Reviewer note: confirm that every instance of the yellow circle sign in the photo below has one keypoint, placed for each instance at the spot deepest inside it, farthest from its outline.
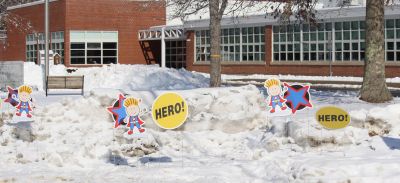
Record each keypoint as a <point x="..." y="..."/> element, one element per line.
<point x="333" y="117"/>
<point x="169" y="111"/>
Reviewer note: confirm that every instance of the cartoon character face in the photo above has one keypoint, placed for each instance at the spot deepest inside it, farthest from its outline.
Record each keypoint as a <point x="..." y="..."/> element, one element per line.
<point x="24" y="96"/>
<point x="274" y="90"/>
<point x="132" y="110"/>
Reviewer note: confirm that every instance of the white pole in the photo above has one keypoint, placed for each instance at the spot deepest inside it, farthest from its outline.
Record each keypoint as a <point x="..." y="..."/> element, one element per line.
<point x="163" y="62"/>
<point x="46" y="29"/>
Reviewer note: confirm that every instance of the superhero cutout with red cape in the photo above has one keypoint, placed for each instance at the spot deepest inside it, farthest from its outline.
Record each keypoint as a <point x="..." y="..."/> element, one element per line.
<point x="22" y="101"/>
<point x="126" y="111"/>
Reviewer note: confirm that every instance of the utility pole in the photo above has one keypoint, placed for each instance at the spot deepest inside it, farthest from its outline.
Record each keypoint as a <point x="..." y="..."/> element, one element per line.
<point x="46" y="42"/>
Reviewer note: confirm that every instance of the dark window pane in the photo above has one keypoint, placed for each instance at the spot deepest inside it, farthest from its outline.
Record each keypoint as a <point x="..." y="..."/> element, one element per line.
<point x="338" y="56"/>
<point x="290" y="56"/>
<point x="306" y="56"/>
<point x="276" y="56"/>
<point x="283" y="56"/>
<point x="338" y="25"/>
<point x="77" y="60"/>
<point x="390" y="45"/>
<point x="93" y="45"/>
<point x="313" y="56"/>
<point x="354" y="56"/>
<point x="346" y="46"/>
<point x="390" y="56"/>
<point x="110" y="53"/>
<point x="110" y="60"/>
<point x="77" y="45"/>
<point x="338" y="35"/>
<point x="338" y="46"/>
<point x="354" y="46"/>
<point x="346" y="56"/>
<point x="78" y="53"/>
<point x="93" y="60"/>
<point x="362" y="46"/>
<point x="362" y="56"/>
<point x="398" y="56"/>
<point x="354" y="35"/>
<point x="95" y="53"/>
<point x="297" y="56"/>
<point x="389" y="34"/>
<point x="110" y="45"/>
<point x="354" y="25"/>
<point x="389" y="23"/>
<point x="346" y="25"/>
<point x="321" y="56"/>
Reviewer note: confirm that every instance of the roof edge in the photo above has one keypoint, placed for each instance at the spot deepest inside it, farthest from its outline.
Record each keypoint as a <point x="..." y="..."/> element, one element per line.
<point x="28" y="4"/>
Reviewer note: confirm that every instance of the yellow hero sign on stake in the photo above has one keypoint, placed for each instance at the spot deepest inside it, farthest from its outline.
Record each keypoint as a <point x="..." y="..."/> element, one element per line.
<point x="333" y="117"/>
<point x="169" y="111"/>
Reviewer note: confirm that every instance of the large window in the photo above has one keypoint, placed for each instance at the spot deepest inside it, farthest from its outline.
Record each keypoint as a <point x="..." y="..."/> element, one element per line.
<point x="237" y="44"/>
<point x="337" y="41"/>
<point x="176" y="54"/>
<point x="35" y="43"/>
<point x="94" y="47"/>
<point x="392" y="44"/>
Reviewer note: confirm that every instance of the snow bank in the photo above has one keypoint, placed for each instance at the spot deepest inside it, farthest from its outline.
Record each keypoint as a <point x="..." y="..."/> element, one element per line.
<point x="125" y="77"/>
<point x="379" y="120"/>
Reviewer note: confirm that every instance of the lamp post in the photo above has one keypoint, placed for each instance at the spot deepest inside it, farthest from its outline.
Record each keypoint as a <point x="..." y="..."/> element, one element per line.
<point x="46" y="42"/>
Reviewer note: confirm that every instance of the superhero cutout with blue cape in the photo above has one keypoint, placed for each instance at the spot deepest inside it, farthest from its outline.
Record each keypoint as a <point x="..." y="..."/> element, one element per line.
<point x="296" y="97"/>
<point x="126" y="111"/>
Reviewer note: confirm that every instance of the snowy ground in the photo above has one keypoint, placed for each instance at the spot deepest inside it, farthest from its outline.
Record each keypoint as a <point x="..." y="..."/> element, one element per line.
<point x="227" y="138"/>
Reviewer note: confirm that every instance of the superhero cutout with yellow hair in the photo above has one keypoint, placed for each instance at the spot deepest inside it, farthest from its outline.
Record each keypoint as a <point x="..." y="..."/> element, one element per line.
<point x="132" y="118"/>
<point x="274" y="90"/>
<point x="24" y="96"/>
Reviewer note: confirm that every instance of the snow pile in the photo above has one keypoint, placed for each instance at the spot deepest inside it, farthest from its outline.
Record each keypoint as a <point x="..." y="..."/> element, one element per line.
<point x="379" y="120"/>
<point x="125" y="77"/>
<point x="79" y="133"/>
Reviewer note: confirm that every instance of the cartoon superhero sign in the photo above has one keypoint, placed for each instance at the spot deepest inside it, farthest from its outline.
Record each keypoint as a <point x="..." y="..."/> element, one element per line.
<point x="127" y="111"/>
<point x="294" y="97"/>
<point x="274" y="90"/>
<point x="21" y="99"/>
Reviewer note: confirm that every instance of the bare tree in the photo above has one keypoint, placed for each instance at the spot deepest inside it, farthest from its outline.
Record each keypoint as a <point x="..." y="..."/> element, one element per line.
<point x="300" y="9"/>
<point x="12" y="19"/>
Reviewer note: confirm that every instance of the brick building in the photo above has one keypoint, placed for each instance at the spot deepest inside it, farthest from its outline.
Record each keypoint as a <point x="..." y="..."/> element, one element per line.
<point x="83" y="32"/>
<point x="91" y="33"/>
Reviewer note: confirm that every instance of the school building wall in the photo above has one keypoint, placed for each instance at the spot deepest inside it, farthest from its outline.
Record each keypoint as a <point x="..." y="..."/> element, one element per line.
<point x="320" y="68"/>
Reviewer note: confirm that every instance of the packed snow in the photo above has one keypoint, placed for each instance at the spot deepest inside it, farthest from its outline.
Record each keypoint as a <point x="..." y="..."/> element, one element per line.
<point x="228" y="136"/>
<point x="124" y="77"/>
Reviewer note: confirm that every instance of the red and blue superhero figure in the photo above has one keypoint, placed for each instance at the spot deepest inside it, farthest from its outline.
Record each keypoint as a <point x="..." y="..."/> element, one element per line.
<point x="24" y="95"/>
<point x="134" y="121"/>
<point x="274" y="90"/>
<point x="133" y="111"/>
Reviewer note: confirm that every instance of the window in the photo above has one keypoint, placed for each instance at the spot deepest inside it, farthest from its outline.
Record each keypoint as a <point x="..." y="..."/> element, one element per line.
<point x="94" y="47"/>
<point x="176" y="54"/>
<point x="237" y="44"/>
<point x="392" y="41"/>
<point x="35" y="43"/>
<point x="349" y="36"/>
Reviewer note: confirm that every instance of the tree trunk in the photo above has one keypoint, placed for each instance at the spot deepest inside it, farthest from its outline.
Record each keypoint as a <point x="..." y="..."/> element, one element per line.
<point x="374" y="88"/>
<point x="215" y="33"/>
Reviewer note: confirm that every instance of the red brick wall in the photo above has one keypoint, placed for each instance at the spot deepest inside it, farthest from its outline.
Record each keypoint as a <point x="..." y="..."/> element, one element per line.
<point x="269" y="67"/>
<point x="30" y="20"/>
<point x="126" y="17"/>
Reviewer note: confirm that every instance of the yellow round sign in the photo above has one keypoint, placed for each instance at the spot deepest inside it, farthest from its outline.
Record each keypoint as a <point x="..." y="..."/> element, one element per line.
<point x="333" y="117"/>
<point x="169" y="111"/>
